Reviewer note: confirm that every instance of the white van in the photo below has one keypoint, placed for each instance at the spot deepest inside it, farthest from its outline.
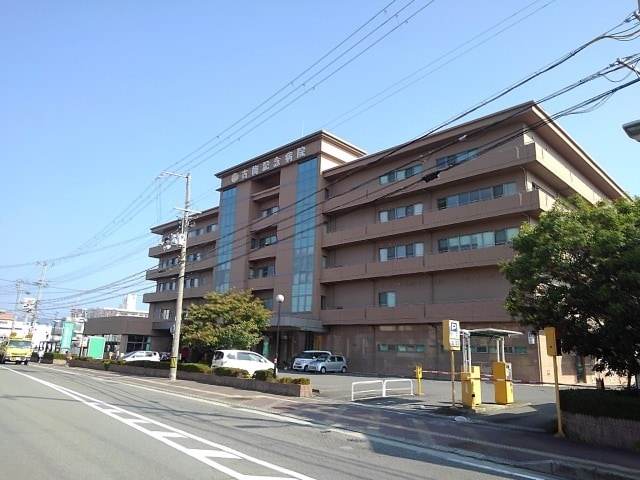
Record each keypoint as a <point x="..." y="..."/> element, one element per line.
<point x="305" y="358"/>
<point x="244" y="359"/>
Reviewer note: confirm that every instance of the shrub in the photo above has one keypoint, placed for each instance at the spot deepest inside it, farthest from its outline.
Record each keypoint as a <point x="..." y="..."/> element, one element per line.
<point x="264" y="376"/>
<point x="194" y="367"/>
<point x="302" y="381"/>
<point x="92" y="360"/>
<point x="146" y="364"/>
<point x="231" y="372"/>
<point x="622" y="404"/>
<point x="267" y="376"/>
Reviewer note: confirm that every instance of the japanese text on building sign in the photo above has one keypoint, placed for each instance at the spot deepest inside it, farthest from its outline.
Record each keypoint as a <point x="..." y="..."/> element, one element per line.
<point x="267" y="165"/>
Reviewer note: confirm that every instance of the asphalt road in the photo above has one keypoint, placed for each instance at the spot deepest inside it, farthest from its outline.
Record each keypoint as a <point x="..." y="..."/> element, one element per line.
<point x="331" y="433"/>
<point x="59" y="422"/>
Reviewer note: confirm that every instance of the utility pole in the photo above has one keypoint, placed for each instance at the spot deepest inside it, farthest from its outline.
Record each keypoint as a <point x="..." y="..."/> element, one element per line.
<point x="40" y="283"/>
<point x="19" y="287"/>
<point x="180" y="241"/>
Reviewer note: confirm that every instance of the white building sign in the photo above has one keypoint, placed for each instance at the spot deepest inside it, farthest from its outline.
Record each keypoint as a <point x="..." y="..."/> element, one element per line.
<point x="266" y="165"/>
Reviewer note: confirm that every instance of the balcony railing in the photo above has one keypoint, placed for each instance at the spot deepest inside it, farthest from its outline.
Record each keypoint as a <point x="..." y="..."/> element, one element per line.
<point x="532" y="202"/>
<point x="491" y="310"/>
<point x="479" y="257"/>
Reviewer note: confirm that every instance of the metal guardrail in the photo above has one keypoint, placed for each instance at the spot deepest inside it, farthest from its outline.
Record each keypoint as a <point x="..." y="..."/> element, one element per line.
<point x="381" y="388"/>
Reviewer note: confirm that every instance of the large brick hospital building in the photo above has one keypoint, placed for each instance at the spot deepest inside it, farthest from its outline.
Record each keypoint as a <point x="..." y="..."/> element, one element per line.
<point x="373" y="251"/>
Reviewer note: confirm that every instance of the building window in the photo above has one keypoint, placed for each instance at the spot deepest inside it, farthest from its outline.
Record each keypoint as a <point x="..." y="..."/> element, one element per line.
<point x="267" y="212"/>
<point x="480" y="195"/>
<point x="304" y="248"/>
<point x="264" y="241"/>
<point x="169" y="262"/>
<point x="400" y="212"/>
<point x="492" y="350"/>
<point x="477" y="240"/>
<point x="401" y="174"/>
<point x="456" y="158"/>
<point x="402" y="251"/>
<point x="212" y="228"/>
<point x="191" y="282"/>
<point x="196" y="232"/>
<point x="387" y="299"/>
<point x="385" y="347"/>
<point x="138" y="342"/>
<point x="268" y="303"/>
<point x="194" y="257"/>
<point x="262" y="272"/>
<point x="167" y="286"/>
<point x="225" y="243"/>
<point x="165" y="314"/>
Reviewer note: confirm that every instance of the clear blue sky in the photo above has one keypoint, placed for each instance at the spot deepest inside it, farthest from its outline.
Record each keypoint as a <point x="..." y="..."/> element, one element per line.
<point x="99" y="97"/>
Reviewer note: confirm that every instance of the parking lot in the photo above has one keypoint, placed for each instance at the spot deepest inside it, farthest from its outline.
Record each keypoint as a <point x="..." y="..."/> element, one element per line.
<point x="338" y="386"/>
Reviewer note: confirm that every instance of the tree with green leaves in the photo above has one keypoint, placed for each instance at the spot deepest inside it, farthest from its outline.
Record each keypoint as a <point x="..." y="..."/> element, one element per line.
<point x="230" y="320"/>
<point x="579" y="270"/>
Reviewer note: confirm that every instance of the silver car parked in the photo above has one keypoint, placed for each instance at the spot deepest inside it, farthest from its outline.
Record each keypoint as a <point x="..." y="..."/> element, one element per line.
<point x="328" y="363"/>
<point x="303" y="360"/>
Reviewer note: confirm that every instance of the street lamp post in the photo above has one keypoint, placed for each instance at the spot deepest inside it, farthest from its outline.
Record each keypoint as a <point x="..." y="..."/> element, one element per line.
<point x="279" y="299"/>
<point x="182" y="242"/>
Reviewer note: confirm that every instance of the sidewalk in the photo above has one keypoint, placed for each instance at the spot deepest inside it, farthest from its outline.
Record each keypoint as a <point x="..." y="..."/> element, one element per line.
<point x="533" y="408"/>
<point x="523" y="431"/>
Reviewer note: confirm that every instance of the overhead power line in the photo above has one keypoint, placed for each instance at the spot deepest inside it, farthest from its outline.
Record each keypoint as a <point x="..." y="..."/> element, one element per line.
<point x="629" y="34"/>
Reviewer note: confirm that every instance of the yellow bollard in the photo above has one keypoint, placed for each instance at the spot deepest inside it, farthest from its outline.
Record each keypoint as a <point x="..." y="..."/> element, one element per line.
<point x="419" y="378"/>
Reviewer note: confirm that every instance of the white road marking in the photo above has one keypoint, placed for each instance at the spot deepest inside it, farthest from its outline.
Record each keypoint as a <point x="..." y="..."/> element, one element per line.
<point x="167" y="434"/>
<point x="434" y="450"/>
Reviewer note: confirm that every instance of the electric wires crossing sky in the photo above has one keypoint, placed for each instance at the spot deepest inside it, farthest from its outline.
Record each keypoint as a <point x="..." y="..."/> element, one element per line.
<point x="94" y="254"/>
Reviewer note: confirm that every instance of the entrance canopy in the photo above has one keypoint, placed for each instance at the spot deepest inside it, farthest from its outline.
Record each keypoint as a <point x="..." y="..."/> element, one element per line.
<point x="491" y="332"/>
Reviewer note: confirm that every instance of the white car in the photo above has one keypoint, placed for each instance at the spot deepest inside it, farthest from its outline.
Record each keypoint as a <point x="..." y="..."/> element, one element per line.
<point x="305" y="358"/>
<point x="141" y="355"/>
<point x="244" y="359"/>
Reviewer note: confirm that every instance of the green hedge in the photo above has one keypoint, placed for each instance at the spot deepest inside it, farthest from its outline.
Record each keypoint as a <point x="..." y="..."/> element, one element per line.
<point x="48" y="356"/>
<point x="262" y="375"/>
<point x="230" y="372"/>
<point x="265" y="376"/>
<point x="622" y="404"/>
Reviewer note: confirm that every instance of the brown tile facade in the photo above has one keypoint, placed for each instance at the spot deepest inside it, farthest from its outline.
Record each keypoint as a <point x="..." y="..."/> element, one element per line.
<point x="369" y="256"/>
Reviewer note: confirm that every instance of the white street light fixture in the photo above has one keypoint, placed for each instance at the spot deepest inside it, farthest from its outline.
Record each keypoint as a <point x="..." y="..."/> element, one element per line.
<point x="633" y="129"/>
<point x="279" y="299"/>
